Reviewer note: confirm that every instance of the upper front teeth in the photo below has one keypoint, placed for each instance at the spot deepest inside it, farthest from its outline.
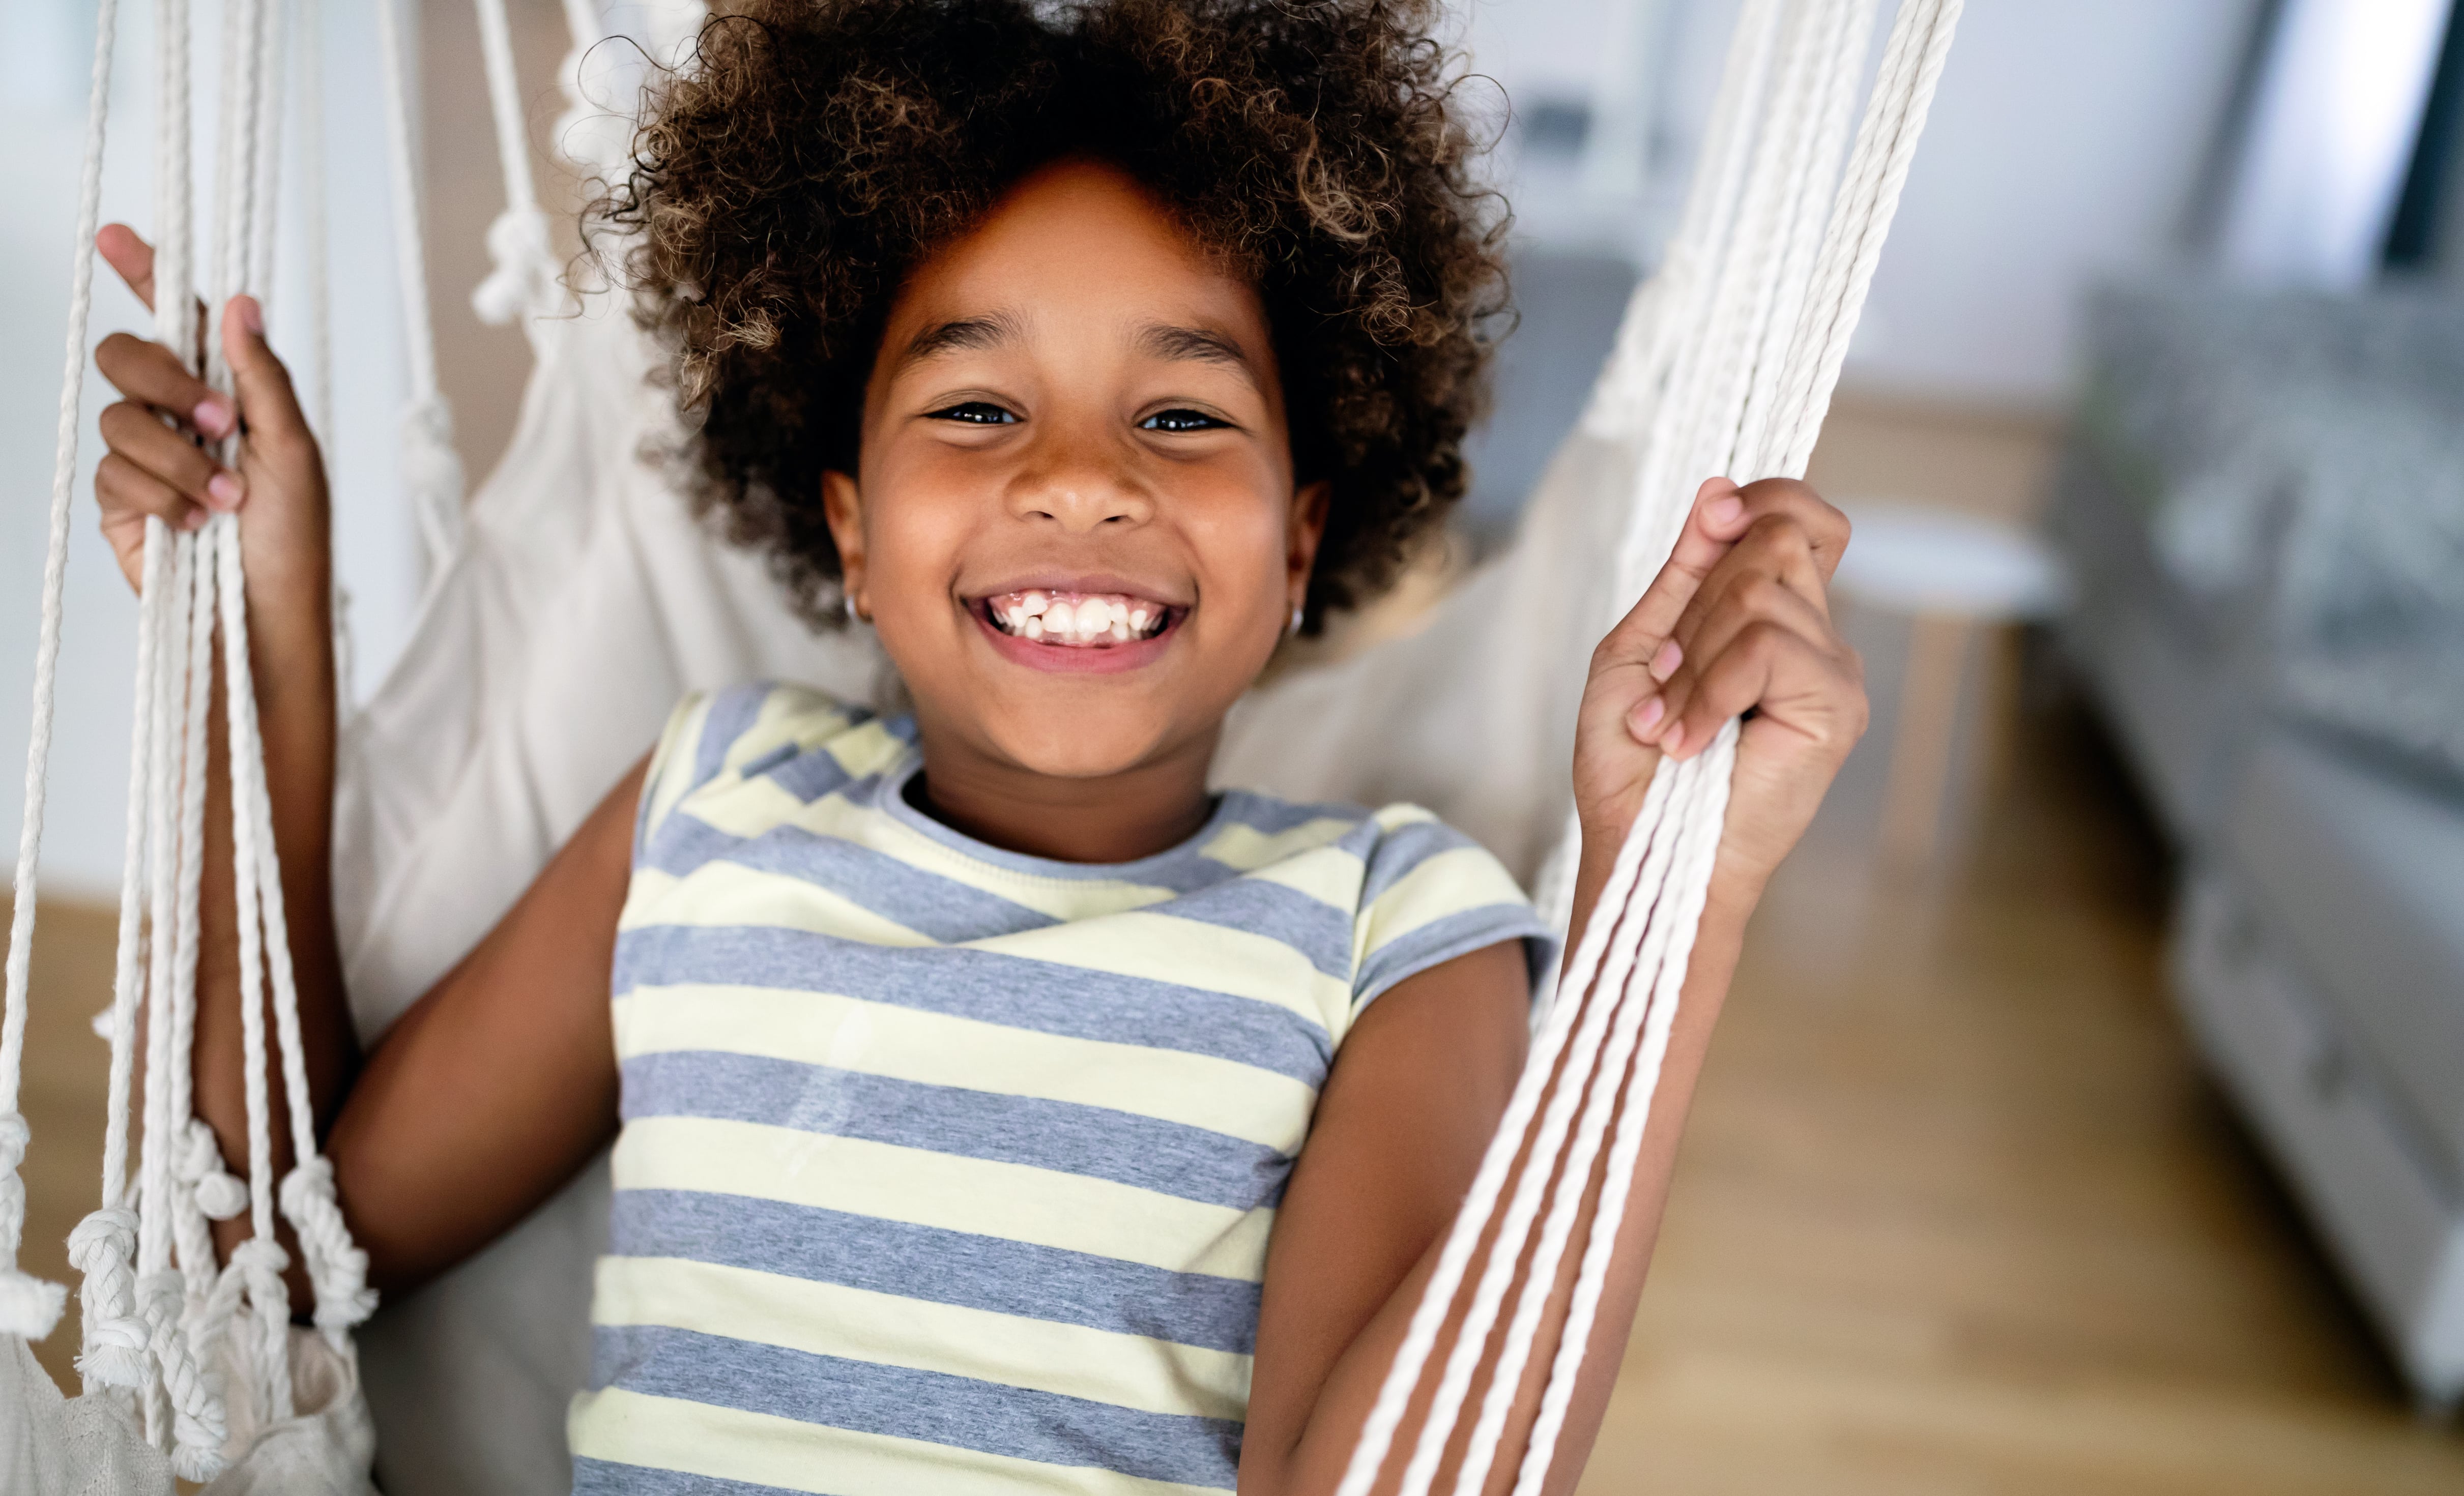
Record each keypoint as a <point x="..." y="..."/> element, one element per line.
<point x="1076" y="617"/>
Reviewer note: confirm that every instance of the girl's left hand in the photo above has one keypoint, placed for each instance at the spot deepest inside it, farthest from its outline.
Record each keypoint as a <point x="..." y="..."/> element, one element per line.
<point x="1738" y="619"/>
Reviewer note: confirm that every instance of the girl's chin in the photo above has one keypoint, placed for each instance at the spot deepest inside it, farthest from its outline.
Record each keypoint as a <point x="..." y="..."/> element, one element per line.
<point x="1077" y="747"/>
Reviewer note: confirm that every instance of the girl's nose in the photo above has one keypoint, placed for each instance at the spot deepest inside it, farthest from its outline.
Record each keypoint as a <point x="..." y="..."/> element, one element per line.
<point x="1081" y="491"/>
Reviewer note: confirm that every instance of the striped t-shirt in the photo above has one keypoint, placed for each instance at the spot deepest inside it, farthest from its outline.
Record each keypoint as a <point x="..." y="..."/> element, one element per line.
<point x="947" y="1169"/>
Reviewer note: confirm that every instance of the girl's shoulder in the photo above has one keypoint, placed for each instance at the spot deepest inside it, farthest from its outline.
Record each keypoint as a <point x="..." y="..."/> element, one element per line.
<point x="1419" y="893"/>
<point x="739" y="733"/>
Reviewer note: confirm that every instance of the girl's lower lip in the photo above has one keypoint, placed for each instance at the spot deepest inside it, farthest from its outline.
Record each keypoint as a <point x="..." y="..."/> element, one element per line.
<point x="1075" y="659"/>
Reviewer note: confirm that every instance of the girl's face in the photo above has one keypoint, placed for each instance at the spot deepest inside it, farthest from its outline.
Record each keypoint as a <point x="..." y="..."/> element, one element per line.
<point x="1074" y="523"/>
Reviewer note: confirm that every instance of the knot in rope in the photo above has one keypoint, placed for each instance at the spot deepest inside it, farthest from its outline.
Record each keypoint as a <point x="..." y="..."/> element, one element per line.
<point x="524" y="279"/>
<point x="260" y="1263"/>
<point x="115" y="1333"/>
<point x="199" y="1425"/>
<point x="199" y="1165"/>
<point x="337" y="1266"/>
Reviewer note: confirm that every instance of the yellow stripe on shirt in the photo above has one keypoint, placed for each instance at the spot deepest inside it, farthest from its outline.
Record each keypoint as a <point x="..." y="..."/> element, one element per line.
<point x="729" y="1445"/>
<point x="980" y="1197"/>
<point x="1245" y="1101"/>
<point x="888" y="1330"/>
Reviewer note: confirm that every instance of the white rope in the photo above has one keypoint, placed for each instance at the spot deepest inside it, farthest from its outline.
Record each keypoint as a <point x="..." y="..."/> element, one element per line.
<point x="1725" y="363"/>
<point x="317" y="391"/>
<point x="198" y="1189"/>
<point x="520" y="246"/>
<point x="1553" y="1153"/>
<point x="266" y="146"/>
<point x="431" y="470"/>
<point x="29" y="1306"/>
<point x="1463" y="1237"/>
<point x="260" y="1261"/>
<point x="1635" y="1111"/>
<point x="256" y="1267"/>
<point x="587" y="134"/>
<point x="161" y="615"/>
<point x="104" y="1245"/>
<point x="1920" y="38"/>
<point x="183" y="1407"/>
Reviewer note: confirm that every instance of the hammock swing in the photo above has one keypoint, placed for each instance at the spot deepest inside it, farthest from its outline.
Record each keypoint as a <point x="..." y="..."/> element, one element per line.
<point x="575" y="598"/>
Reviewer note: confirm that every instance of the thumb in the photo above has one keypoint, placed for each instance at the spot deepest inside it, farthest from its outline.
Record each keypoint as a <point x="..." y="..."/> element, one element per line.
<point x="267" y="401"/>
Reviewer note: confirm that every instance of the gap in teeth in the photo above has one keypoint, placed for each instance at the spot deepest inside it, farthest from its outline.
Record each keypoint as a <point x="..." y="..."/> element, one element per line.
<point x="1075" y="618"/>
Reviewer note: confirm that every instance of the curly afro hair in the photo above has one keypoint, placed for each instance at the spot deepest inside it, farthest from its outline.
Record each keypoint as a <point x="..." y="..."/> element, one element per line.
<point x="792" y="174"/>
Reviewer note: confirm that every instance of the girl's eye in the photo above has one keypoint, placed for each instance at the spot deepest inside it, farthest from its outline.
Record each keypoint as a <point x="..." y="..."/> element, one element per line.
<point x="1180" y="421"/>
<point x="975" y="412"/>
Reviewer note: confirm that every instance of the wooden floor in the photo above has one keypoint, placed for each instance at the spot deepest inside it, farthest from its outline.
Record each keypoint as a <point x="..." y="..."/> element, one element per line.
<point x="1958" y="1213"/>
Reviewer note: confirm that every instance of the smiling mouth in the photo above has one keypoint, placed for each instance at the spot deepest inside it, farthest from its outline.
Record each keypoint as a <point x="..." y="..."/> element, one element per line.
<point x="1077" y="620"/>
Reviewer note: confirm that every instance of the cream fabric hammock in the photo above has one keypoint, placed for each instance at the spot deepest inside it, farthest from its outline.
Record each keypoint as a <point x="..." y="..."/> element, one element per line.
<point x="574" y="600"/>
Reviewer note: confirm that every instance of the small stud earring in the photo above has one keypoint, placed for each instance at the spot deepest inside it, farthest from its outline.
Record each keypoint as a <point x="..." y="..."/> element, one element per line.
<point x="853" y="617"/>
<point x="1299" y="614"/>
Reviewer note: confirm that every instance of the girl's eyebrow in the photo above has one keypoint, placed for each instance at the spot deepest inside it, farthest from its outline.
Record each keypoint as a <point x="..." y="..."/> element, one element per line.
<point x="1202" y="345"/>
<point x="989" y="330"/>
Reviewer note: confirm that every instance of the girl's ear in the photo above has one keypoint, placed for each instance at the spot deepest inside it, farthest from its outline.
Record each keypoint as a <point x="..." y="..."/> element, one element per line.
<point x="1308" y="528"/>
<point x="843" y="506"/>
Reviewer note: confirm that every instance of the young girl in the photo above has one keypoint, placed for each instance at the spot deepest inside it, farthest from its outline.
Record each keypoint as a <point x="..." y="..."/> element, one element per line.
<point x="994" y="1108"/>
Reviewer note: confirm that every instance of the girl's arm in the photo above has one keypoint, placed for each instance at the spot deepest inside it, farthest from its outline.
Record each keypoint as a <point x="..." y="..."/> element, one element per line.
<point x="501" y="1081"/>
<point x="1423" y="1077"/>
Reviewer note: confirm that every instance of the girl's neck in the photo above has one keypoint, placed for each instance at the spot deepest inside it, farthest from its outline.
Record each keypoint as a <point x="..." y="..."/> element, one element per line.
<point x="1113" y="818"/>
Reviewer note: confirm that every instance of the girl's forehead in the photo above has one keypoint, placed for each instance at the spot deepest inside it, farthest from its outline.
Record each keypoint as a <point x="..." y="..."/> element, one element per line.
<point x="1074" y="246"/>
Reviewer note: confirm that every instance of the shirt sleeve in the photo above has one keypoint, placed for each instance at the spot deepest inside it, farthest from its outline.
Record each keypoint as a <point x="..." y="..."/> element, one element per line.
<point x="1432" y="893"/>
<point x="713" y="732"/>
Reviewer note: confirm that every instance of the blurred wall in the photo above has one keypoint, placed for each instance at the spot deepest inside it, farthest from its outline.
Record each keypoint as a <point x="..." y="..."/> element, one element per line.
<point x="2064" y="145"/>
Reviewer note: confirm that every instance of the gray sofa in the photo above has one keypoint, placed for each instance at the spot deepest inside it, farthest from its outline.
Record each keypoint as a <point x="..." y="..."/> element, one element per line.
<point x="2263" y="503"/>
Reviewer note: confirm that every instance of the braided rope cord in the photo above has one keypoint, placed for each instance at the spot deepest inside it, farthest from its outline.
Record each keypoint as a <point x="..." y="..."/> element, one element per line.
<point x="1725" y="363"/>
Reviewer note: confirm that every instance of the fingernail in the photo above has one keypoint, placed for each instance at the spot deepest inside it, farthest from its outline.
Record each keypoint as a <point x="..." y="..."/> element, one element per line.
<point x="223" y="490"/>
<point x="212" y="417"/>
<point x="1675" y="740"/>
<point x="1723" y="512"/>
<point x="1665" y="663"/>
<point x="251" y="316"/>
<point x="193" y="520"/>
<point x="1648" y="715"/>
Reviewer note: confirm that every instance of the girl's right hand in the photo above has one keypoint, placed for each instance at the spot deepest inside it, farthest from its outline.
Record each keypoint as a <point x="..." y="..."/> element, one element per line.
<point x="160" y="464"/>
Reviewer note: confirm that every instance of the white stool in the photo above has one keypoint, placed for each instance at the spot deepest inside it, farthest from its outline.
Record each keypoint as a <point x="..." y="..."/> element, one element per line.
<point x="1950" y="574"/>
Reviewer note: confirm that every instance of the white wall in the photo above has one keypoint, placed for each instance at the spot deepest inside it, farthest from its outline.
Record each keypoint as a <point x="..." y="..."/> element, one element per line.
<point x="42" y="108"/>
<point x="2063" y="147"/>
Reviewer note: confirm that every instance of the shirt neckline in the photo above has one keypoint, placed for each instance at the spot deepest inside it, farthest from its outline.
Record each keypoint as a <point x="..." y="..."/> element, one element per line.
<point x="893" y="803"/>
